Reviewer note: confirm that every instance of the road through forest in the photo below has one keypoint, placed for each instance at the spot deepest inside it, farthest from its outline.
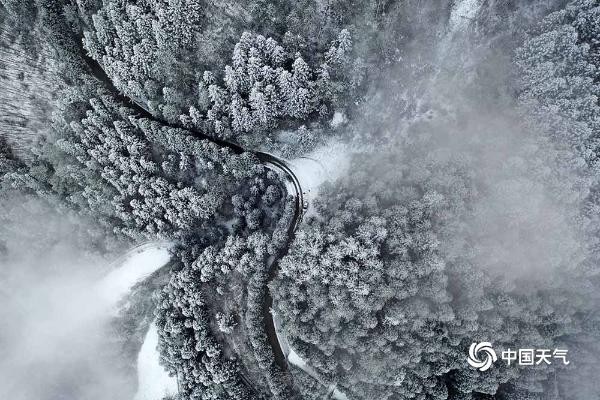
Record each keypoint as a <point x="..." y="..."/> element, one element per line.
<point x="269" y="160"/>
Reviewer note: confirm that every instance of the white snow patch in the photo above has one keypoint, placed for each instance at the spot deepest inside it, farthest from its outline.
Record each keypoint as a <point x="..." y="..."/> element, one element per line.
<point x="336" y="394"/>
<point x="294" y="358"/>
<point x="154" y="382"/>
<point x="291" y="356"/>
<point x="136" y="265"/>
<point x="338" y="119"/>
<point x="463" y="12"/>
<point x="326" y="163"/>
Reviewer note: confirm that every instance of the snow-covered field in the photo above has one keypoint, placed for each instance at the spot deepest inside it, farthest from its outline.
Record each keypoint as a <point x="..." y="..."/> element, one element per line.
<point x="133" y="267"/>
<point x="153" y="381"/>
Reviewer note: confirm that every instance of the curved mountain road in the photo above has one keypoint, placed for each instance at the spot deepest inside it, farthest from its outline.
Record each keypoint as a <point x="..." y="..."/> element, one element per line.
<point x="269" y="160"/>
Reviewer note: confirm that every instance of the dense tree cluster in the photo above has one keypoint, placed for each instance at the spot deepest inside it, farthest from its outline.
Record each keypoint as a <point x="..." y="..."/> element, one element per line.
<point x="7" y="159"/>
<point x="28" y="78"/>
<point x="134" y="174"/>
<point x="385" y="290"/>
<point x="559" y="73"/>
<point x="141" y="178"/>
<point x="414" y="255"/>
<point x="189" y="350"/>
<point x="266" y="86"/>
<point x="189" y="323"/>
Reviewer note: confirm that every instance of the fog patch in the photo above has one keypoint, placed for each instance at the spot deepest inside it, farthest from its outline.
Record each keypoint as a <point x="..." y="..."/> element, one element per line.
<point x="55" y="341"/>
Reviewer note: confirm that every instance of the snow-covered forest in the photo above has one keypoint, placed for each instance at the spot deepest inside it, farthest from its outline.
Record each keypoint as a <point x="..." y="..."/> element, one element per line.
<point x="314" y="199"/>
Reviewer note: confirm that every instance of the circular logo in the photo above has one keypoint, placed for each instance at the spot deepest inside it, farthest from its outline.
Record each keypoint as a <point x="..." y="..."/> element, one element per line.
<point x="482" y="356"/>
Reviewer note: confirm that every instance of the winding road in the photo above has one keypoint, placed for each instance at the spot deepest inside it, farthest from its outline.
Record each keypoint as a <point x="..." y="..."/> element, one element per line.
<point x="269" y="160"/>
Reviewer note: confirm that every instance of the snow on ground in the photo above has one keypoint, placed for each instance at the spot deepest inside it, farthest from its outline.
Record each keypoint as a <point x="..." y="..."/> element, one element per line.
<point x="136" y="265"/>
<point x="293" y="358"/>
<point x="461" y="16"/>
<point x="153" y="381"/>
<point x="338" y="119"/>
<point x="326" y="163"/>
<point x="336" y="394"/>
<point x="463" y="12"/>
